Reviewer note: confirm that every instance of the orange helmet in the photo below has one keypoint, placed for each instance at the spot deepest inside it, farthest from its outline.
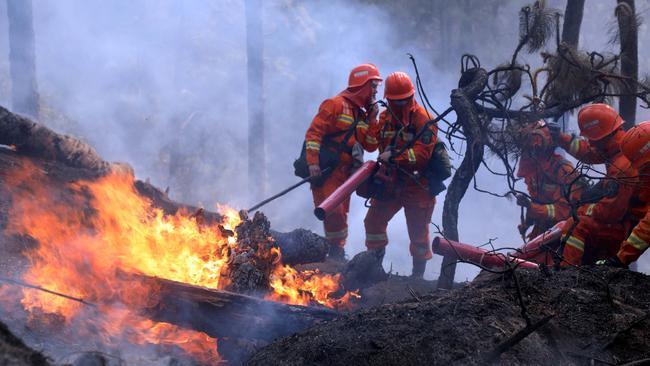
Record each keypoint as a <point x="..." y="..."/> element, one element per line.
<point x="636" y="144"/>
<point x="362" y="73"/>
<point x="538" y="136"/>
<point x="598" y="120"/>
<point x="398" y="86"/>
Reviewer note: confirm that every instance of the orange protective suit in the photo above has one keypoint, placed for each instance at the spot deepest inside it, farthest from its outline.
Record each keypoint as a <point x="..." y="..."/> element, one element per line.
<point x="411" y="188"/>
<point x="335" y="116"/>
<point x="545" y="176"/>
<point x="639" y="240"/>
<point x="603" y="225"/>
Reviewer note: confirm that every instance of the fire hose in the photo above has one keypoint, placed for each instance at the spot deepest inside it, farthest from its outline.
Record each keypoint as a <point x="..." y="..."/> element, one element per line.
<point x="34" y="287"/>
<point x="345" y="190"/>
<point x="472" y="254"/>
<point x="287" y="190"/>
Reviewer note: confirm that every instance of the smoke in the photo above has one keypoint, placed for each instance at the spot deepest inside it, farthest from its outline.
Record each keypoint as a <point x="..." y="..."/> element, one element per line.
<point x="161" y="84"/>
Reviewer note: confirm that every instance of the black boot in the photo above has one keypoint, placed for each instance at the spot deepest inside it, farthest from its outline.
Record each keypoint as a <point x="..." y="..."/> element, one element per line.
<point x="419" y="265"/>
<point x="379" y="253"/>
<point x="336" y="253"/>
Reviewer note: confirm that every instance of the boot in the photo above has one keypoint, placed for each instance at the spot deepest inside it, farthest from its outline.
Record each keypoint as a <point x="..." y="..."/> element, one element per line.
<point x="419" y="265"/>
<point x="336" y="253"/>
<point x="379" y="253"/>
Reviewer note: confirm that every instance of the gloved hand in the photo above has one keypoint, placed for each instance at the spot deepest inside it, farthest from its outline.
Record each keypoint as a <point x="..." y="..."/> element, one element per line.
<point x="314" y="171"/>
<point x="372" y="113"/>
<point x="386" y="155"/>
<point x="523" y="227"/>
<point x="522" y="200"/>
<point x="612" y="262"/>
<point x="555" y="129"/>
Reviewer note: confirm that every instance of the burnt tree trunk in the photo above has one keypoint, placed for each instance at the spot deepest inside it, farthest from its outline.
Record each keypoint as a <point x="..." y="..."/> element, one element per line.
<point x="227" y="314"/>
<point x="572" y="22"/>
<point x="628" y="38"/>
<point x="462" y="100"/>
<point x="255" y="64"/>
<point x="22" y="61"/>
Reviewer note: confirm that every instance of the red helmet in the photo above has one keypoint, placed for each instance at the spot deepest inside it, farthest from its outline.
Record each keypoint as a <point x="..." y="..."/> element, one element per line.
<point x="362" y="73"/>
<point x="398" y="86"/>
<point x="636" y="144"/>
<point x="598" y="120"/>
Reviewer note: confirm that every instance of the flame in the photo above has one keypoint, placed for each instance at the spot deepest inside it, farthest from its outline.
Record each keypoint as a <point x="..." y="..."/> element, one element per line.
<point x="91" y="231"/>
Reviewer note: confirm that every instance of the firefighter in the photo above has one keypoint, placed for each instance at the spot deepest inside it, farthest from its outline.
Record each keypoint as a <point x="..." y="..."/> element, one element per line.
<point x="547" y="176"/>
<point x="341" y="122"/>
<point x="406" y="187"/>
<point x="636" y="147"/>
<point x="603" y="222"/>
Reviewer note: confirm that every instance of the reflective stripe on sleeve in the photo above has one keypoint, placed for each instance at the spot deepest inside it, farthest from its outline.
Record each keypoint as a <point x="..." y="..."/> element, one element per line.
<point x="345" y="118"/>
<point x="550" y="211"/>
<point x="575" y="146"/>
<point x="411" y="154"/>
<point x="371" y="140"/>
<point x="312" y="145"/>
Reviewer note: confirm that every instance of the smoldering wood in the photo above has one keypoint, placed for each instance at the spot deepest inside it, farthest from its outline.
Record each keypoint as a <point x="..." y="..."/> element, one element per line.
<point x="462" y="100"/>
<point x="301" y="246"/>
<point x="364" y="270"/>
<point x="33" y="139"/>
<point x="227" y="314"/>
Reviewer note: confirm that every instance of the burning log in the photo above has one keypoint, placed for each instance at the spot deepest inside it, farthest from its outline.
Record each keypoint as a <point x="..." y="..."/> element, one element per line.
<point x="226" y="314"/>
<point x="253" y="259"/>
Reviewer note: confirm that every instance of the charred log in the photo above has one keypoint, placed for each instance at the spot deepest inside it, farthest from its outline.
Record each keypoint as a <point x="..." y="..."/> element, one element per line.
<point x="32" y="139"/>
<point x="226" y="314"/>
<point x="301" y="246"/>
<point x="364" y="270"/>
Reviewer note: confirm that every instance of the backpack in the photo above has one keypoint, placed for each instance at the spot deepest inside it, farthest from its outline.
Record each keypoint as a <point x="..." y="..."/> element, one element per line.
<point x="328" y="156"/>
<point x="438" y="168"/>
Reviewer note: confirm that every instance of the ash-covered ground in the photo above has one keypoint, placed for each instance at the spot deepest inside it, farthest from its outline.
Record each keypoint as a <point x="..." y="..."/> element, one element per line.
<point x="597" y="316"/>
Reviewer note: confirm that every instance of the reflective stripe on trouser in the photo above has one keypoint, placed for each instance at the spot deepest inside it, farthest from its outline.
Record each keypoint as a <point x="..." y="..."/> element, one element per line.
<point x="418" y="217"/>
<point x="633" y="246"/>
<point x="335" y="224"/>
<point x="591" y="240"/>
<point x="574" y="250"/>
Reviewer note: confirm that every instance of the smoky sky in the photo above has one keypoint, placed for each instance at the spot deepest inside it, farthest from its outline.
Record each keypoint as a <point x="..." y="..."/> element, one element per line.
<point x="161" y="84"/>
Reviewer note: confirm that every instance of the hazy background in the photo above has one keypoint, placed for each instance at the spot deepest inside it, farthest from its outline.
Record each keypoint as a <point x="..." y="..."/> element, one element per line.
<point x="161" y="84"/>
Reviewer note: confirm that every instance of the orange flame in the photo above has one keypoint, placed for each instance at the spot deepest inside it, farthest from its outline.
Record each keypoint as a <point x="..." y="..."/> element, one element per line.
<point x="92" y="230"/>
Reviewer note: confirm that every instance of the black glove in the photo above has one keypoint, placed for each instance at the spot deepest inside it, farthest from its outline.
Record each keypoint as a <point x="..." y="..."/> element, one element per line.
<point x="611" y="262"/>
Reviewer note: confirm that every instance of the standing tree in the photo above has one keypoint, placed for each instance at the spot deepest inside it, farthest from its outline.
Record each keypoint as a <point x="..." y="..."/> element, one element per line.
<point x="572" y="22"/>
<point x="628" y="39"/>
<point x="255" y="64"/>
<point x="21" y="57"/>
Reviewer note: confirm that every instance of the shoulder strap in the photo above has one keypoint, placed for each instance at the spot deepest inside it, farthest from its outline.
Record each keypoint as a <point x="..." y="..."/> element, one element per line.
<point x="344" y="143"/>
